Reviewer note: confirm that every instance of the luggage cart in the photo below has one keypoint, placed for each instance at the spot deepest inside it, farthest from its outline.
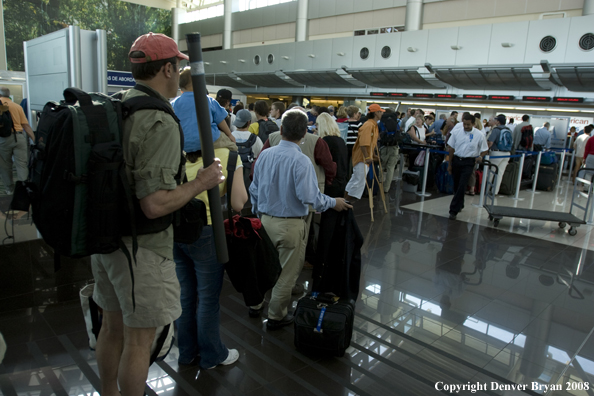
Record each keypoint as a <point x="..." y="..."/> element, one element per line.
<point x="497" y="212"/>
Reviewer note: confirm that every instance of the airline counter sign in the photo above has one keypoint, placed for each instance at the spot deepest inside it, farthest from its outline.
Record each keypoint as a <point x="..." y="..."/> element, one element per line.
<point x="121" y="79"/>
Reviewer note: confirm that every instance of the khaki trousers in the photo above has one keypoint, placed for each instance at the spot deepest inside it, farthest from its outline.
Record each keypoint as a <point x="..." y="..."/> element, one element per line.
<point x="288" y="237"/>
<point x="13" y="148"/>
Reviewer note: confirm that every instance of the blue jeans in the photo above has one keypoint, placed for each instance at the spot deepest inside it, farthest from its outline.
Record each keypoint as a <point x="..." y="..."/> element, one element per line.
<point x="201" y="279"/>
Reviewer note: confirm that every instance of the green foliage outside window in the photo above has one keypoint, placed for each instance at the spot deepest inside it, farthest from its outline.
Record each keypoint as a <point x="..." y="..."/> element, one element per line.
<point x="124" y="22"/>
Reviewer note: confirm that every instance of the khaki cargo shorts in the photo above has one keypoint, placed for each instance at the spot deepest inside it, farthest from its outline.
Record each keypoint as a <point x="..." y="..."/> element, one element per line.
<point x="156" y="288"/>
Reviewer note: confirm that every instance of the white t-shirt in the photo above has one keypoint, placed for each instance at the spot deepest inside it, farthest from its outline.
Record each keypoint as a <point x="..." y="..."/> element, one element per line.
<point x="420" y="132"/>
<point x="580" y="145"/>
<point x="467" y="144"/>
<point x="243" y="136"/>
<point x="411" y="121"/>
<point x="233" y="128"/>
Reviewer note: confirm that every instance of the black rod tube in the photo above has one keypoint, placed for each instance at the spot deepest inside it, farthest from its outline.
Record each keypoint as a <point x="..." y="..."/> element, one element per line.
<point x="206" y="143"/>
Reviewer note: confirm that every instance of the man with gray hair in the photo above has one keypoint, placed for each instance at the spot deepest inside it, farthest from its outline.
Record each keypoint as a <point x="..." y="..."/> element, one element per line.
<point x="15" y="144"/>
<point x="542" y="137"/>
<point x="283" y="186"/>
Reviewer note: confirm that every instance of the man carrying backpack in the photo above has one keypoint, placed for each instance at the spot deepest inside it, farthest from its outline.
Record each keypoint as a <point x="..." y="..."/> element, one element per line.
<point x="264" y="126"/>
<point x="134" y="306"/>
<point x="389" y="138"/>
<point x="523" y="134"/>
<point x="500" y="143"/>
<point x="248" y="144"/>
<point x="13" y="142"/>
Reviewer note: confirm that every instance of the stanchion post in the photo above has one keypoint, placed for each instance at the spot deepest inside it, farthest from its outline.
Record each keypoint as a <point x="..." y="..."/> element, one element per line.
<point x="423" y="193"/>
<point x="483" y="184"/>
<point x="561" y="169"/>
<point x="536" y="173"/>
<point x="571" y="165"/>
<point x="517" y="195"/>
<point x="202" y="113"/>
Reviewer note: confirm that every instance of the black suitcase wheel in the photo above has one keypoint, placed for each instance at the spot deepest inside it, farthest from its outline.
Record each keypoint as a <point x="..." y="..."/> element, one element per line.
<point x="562" y="224"/>
<point x="490" y="218"/>
<point x="572" y="231"/>
<point x="496" y="223"/>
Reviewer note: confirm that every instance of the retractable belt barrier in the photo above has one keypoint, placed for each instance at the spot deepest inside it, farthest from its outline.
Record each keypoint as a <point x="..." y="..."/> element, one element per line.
<point x="523" y="156"/>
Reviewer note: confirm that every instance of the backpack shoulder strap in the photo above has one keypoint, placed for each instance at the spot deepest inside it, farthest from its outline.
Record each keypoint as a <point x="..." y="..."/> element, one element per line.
<point x="251" y="140"/>
<point x="153" y="102"/>
<point x="231" y="165"/>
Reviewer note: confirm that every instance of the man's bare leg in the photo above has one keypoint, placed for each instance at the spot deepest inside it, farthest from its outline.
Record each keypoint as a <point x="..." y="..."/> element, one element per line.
<point x="109" y="351"/>
<point x="134" y="364"/>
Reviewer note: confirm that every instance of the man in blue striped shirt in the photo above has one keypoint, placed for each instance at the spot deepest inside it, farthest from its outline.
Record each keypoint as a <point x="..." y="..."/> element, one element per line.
<point x="283" y="186"/>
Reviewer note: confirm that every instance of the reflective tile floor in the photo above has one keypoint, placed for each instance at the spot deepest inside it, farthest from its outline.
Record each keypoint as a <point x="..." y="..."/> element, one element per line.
<point x="443" y="303"/>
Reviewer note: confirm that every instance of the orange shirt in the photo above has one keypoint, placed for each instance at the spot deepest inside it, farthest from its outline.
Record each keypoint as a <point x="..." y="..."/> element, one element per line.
<point x="17" y="114"/>
<point x="367" y="137"/>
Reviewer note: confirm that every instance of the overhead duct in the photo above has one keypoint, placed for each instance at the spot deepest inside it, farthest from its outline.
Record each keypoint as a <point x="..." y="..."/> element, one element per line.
<point x="577" y="78"/>
<point x="322" y="79"/>
<point x="492" y="78"/>
<point x="225" y="81"/>
<point x="393" y="78"/>
<point x="267" y="80"/>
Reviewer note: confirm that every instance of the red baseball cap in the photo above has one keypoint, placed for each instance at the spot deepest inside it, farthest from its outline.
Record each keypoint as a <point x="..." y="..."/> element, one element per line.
<point x="375" y="107"/>
<point x="155" y="46"/>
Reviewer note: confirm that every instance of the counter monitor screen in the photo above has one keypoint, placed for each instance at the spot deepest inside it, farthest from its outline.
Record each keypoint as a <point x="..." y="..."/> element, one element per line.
<point x="482" y="97"/>
<point x="568" y="100"/>
<point x="446" y="96"/>
<point x="378" y="93"/>
<point x="501" y="97"/>
<point x="398" y="95"/>
<point x="537" y="98"/>
<point x="422" y="95"/>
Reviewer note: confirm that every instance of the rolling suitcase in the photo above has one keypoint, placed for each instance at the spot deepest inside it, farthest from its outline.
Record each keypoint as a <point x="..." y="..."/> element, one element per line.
<point x="547" y="177"/>
<point x="510" y="179"/>
<point x="444" y="180"/>
<point x="324" y="324"/>
<point x="528" y="170"/>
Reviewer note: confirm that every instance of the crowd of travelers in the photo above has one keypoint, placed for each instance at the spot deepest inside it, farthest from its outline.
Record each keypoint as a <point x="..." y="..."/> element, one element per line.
<point x="292" y="162"/>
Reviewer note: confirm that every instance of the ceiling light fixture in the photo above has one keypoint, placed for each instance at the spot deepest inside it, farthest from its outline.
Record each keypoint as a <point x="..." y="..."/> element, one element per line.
<point x="412" y="49"/>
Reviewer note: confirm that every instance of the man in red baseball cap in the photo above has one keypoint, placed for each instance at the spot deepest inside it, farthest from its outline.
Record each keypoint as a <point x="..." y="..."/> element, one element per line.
<point x="364" y="152"/>
<point x="135" y="305"/>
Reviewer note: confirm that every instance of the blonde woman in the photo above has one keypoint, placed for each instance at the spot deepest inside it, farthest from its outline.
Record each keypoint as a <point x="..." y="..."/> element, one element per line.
<point x="328" y="130"/>
<point x="341" y="114"/>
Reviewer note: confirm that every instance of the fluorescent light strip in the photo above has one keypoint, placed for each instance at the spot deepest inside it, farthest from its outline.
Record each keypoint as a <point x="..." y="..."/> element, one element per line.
<point x="470" y="106"/>
<point x="566" y="110"/>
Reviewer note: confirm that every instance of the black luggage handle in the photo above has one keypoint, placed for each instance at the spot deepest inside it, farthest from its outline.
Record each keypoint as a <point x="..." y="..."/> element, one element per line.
<point x="72" y="94"/>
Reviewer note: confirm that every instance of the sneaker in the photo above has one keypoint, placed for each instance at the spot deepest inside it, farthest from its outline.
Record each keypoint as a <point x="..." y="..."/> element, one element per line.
<point x="255" y="313"/>
<point x="277" y="324"/>
<point x="231" y="358"/>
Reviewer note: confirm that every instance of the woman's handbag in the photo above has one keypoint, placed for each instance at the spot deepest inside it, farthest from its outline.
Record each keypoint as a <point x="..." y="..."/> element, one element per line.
<point x="254" y="266"/>
<point x="420" y="160"/>
<point x="189" y="221"/>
